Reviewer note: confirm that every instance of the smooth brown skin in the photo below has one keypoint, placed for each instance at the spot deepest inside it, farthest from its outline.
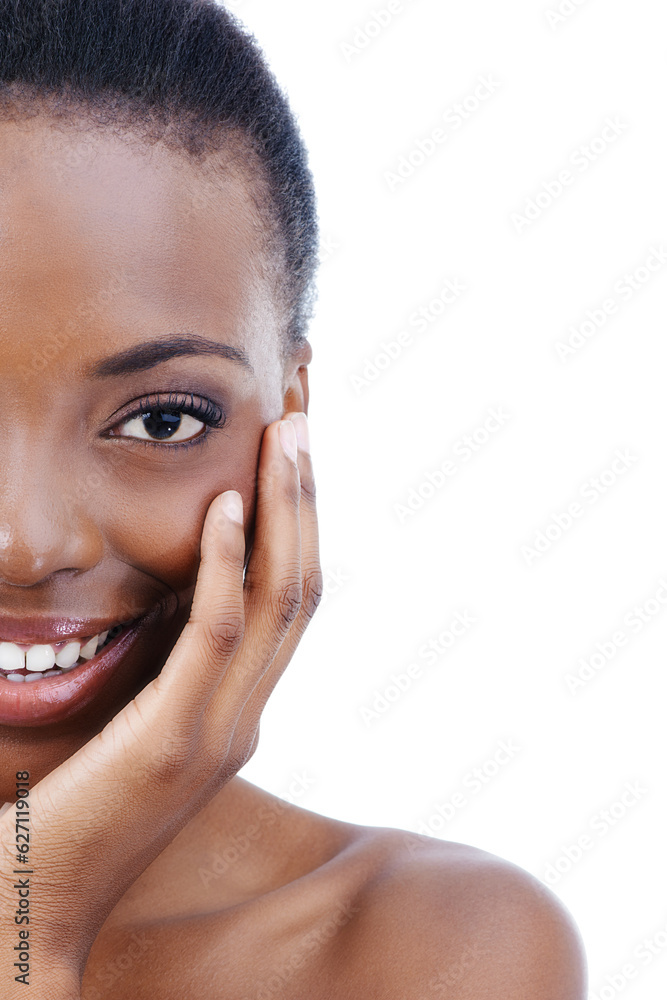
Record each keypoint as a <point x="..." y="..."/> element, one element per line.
<point x="135" y="887"/>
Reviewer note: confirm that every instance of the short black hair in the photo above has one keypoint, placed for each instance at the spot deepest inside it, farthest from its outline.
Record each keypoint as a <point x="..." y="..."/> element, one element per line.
<point x="183" y="71"/>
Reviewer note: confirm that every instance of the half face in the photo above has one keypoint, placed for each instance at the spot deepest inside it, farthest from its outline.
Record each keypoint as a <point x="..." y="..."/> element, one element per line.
<point x="140" y="364"/>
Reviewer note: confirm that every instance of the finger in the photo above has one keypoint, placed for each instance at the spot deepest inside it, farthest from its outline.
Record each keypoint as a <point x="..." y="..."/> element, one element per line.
<point x="149" y="752"/>
<point x="273" y="589"/>
<point x="312" y="588"/>
<point x="216" y="626"/>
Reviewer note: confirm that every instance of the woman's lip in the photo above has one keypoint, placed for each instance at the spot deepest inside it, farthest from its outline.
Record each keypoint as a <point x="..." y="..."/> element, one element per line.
<point x="54" y="699"/>
<point x="48" y="630"/>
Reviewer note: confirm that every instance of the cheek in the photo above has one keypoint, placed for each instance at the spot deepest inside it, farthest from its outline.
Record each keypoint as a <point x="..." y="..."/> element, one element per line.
<point x="156" y="522"/>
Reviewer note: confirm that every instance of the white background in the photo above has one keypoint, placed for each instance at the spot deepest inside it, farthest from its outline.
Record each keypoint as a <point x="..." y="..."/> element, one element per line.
<point x="396" y="582"/>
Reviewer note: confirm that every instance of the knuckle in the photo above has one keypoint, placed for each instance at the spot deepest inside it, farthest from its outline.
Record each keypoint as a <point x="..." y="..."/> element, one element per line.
<point x="313" y="591"/>
<point x="287" y="602"/>
<point x="246" y="749"/>
<point x="211" y="763"/>
<point x="220" y="767"/>
<point x="233" y="764"/>
<point x="170" y="762"/>
<point x="225" y="637"/>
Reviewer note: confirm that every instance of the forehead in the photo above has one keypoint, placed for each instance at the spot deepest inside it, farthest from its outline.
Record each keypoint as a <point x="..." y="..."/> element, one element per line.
<point x="144" y="237"/>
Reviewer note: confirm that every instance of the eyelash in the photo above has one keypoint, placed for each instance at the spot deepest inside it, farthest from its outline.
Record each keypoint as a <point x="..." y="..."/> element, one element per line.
<point x="176" y="402"/>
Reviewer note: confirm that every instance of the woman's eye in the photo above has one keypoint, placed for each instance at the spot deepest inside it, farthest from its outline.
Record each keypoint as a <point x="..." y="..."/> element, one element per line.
<point x="173" y="418"/>
<point x="162" y="425"/>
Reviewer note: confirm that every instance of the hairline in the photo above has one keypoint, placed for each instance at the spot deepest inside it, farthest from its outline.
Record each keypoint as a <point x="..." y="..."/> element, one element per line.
<point x="227" y="152"/>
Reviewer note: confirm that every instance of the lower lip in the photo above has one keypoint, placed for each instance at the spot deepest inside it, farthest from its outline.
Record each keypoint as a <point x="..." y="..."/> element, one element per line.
<point x="54" y="699"/>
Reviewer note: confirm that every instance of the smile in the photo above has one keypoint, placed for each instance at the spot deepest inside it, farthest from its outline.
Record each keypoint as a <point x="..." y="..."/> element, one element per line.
<point x="21" y="662"/>
<point x="43" y="683"/>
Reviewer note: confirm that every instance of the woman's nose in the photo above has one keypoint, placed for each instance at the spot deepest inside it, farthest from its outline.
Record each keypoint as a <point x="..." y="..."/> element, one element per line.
<point x="44" y="527"/>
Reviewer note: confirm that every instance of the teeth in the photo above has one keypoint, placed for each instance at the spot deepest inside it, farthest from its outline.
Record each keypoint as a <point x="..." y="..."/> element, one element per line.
<point x="68" y="655"/>
<point x="12" y="656"/>
<point x="47" y="660"/>
<point x="40" y="658"/>
<point x="90" y="648"/>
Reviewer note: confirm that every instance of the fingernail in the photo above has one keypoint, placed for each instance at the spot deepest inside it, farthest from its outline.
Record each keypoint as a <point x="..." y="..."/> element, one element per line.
<point x="232" y="505"/>
<point x="287" y="433"/>
<point x="300" y="422"/>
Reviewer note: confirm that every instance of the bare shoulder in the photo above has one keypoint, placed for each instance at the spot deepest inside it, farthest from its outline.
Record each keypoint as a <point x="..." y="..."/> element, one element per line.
<point x="442" y="919"/>
<point x="306" y="907"/>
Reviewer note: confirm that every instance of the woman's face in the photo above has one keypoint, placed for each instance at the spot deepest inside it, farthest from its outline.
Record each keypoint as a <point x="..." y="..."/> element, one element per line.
<point x="109" y="251"/>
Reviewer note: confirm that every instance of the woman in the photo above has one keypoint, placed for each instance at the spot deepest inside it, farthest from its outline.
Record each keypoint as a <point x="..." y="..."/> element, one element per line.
<point x="160" y="552"/>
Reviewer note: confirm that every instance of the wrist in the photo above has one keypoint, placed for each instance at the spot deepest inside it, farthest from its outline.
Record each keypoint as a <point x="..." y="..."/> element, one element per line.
<point x="46" y="983"/>
<point x="45" y="991"/>
<point x="62" y="984"/>
<point x="45" y="979"/>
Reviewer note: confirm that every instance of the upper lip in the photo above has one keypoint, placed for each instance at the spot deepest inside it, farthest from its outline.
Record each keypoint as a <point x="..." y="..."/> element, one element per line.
<point x="47" y="630"/>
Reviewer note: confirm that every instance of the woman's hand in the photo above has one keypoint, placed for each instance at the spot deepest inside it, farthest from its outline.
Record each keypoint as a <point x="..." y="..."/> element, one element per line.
<point x="100" y="818"/>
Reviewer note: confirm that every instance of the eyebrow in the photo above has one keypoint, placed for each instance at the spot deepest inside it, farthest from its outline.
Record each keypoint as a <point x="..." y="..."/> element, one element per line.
<point x="153" y="352"/>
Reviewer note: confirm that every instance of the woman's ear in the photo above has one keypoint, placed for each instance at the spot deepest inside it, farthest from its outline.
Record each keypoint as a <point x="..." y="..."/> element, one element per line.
<point x="295" y="396"/>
